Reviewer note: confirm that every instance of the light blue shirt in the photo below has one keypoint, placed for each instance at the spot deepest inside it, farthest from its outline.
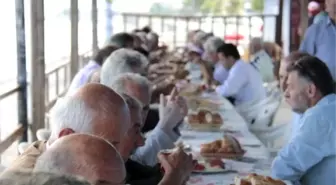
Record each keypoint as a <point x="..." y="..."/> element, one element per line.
<point x="157" y="140"/>
<point x="309" y="157"/>
<point x="295" y="123"/>
<point x="220" y="74"/>
<point x="243" y="83"/>
<point x="319" y="40"/>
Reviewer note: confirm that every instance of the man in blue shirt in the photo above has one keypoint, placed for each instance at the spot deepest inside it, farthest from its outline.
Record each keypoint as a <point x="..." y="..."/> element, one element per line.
<point x="309" y="157"/>
<point x="320" y="38"/>
<point x="283" y="75"/>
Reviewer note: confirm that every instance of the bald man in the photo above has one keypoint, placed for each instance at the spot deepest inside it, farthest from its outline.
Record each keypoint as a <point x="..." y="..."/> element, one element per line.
<point x="83" y="155"/>
<point x="94" y="109"/>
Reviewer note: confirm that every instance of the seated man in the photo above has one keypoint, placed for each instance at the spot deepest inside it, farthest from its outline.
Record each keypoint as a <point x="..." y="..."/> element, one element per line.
<point x="83" y="155"/>
<point x="138" y="174"/>
<point x="210" y="54"/>
<point x="309" y="157"/>
<point x="244" y="83"/>
<point x="123" y="61"/>
<point x="93" y="109"/>
<point x="166" y="132"/>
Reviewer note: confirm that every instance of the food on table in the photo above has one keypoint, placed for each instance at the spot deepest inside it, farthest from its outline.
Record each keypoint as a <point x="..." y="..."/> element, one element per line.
<point x="254" y="179"/>
<point x="209" y="165"/>
<point x="205" y="117"/>
<point x="190" y="90"/>
<point x="226" y="147"/>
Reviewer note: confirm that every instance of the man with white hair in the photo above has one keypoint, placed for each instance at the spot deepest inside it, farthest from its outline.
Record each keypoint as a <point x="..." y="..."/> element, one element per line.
<point x="94" y="109"/>
<point x="210" y="54"/>
<point x="261" y="60"/>
<point x="123" y="61"/>
<point x="166" y="132"/>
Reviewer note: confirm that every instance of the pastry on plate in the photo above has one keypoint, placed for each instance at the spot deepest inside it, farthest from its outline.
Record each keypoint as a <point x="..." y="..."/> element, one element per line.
<point x="205" y="117"/>
<point x="254" y="179"/>
<point x="228" y="147"/>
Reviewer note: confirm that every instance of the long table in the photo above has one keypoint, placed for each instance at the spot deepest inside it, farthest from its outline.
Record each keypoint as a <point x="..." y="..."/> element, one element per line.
<point x="256" y="159"/>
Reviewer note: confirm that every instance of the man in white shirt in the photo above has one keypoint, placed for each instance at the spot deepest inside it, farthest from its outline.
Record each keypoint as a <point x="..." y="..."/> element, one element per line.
<point x="244" y="83"/>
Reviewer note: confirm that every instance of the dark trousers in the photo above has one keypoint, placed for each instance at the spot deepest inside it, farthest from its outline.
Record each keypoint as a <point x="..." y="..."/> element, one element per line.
<point x="151" y="120"/>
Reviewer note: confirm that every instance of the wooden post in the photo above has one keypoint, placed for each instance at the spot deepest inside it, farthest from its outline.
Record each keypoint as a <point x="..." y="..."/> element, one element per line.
<point x="74" y="59"/>
<point x="278" y="26"/>
<point x="304" y="16"/>
<point x="37" y="65"/>
<point x="94" y="15"/>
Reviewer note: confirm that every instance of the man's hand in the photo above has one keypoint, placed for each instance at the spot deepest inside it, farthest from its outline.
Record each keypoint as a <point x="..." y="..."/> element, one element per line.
<point x="177" y="166"/>
<point x="172" y="111"/>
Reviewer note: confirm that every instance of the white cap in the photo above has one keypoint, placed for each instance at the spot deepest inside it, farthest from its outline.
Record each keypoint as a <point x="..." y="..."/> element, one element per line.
<point x="313" y="6"/>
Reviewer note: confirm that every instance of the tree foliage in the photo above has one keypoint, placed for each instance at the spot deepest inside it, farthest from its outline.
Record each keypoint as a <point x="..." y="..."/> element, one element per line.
<point x="212" y="6"/>
<point x="161" y="8"/>
<point x="257" y="5"/>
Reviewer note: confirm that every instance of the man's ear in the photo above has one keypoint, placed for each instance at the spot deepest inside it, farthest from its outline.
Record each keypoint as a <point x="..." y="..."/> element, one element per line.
<point x="312" y="90"/>
<point x="65" y="132"/>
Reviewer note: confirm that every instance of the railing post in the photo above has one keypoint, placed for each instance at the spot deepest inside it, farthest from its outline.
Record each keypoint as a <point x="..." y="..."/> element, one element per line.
<point x="278" y="24"/>
<point x="74" y="59"/>
<point x="94" y="14"/>
<point x="21" y="67"/>
<point x="37" y="65"/>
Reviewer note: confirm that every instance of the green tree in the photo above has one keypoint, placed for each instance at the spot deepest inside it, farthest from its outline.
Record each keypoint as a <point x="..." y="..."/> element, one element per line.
<point x="257" y="5"/>
<point x="212" y="6"/>
<point x="159" y="8"/>
<point x="233" y="6"/>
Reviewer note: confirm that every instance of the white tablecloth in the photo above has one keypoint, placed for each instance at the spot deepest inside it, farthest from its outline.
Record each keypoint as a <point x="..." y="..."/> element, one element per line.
<point x="255" y="160"/>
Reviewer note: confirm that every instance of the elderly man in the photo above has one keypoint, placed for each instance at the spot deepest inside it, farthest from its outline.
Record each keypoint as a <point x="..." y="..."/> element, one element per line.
<point x="123" y="61"/>
<point x="309" y="157"/>
<point x="138" y="174"/>
<point x="86" y="156"/>
<point x="166" y="132"/>
<point x="283" y="76"/>
<point x="244" y="83"/>
<point x="320" y="38"/>
<point x="210" y="54"/>
<point x="261" y="60"/>
<point x="94" y="109"/>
